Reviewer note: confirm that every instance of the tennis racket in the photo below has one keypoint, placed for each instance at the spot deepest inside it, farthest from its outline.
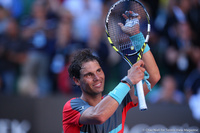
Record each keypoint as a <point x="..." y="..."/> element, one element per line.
<point x="119" y="39"/>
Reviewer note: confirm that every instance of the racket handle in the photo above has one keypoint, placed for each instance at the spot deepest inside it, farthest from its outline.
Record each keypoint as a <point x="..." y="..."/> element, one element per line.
<point x="141" y="98"/>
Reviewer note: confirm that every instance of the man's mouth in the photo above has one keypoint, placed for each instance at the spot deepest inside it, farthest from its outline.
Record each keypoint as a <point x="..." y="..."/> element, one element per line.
<point x="98" y="84"/>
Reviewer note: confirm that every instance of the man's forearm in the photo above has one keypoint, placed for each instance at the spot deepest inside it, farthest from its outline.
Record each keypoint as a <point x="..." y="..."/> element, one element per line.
<point x="151" y="67"/>
<point x="108" y="105"/>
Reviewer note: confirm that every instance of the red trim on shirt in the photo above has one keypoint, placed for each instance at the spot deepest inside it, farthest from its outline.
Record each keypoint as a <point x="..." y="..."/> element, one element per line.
<point x="124" y="112"/>
<point x="70" y="119"/>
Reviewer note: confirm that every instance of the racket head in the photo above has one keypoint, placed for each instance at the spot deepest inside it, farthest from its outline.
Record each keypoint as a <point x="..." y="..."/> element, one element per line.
<point x="119" y="40"/>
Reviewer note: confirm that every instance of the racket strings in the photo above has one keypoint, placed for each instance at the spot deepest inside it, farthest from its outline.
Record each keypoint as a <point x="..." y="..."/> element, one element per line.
<point x="119" y="38"/>
<point x="125" y="46"/>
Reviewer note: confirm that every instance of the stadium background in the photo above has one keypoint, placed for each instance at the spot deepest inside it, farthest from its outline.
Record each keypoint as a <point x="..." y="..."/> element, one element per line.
<point x="38" y="38"/>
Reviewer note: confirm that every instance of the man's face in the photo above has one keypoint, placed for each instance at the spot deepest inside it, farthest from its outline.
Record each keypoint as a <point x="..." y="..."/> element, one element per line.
<point x="91" y="78"/>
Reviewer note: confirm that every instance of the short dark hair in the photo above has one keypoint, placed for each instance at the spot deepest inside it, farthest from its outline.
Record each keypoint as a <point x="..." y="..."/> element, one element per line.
<point x="80" y="57"/>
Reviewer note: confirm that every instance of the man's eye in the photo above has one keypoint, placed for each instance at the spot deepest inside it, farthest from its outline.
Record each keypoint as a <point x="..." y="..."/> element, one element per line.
<point x="88" y="75"/>
<point x="99" y="70"/>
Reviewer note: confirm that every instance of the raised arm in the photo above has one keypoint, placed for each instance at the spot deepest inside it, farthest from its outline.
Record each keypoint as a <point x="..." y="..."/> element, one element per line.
<point x="100" y="113"/>
<point x="150" y="65"/>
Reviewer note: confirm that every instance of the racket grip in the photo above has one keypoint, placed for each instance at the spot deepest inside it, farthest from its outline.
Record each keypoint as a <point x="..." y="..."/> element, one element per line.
<point x="141" y="98"/>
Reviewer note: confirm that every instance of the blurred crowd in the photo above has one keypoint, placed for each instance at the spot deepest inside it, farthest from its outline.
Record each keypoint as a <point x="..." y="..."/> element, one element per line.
<point x="39" y="37"/>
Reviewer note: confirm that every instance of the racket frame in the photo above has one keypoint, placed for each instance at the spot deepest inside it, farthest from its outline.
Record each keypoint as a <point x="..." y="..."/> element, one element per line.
<point x="139" y="85"/>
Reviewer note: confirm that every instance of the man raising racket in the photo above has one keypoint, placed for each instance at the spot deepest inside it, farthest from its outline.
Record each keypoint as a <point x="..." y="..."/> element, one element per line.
<point x="94" y="113"/>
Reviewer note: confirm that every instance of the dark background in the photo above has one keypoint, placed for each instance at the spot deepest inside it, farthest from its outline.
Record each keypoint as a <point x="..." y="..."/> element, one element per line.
<point x="45" y="114"/>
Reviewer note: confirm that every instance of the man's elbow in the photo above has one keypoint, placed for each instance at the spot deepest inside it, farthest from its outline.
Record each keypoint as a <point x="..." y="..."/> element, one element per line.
<point x="156" y="78"/>
<point x="100" y="120"/>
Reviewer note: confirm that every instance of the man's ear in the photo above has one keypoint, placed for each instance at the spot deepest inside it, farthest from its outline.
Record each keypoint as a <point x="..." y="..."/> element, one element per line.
<point x="77" y="81"/>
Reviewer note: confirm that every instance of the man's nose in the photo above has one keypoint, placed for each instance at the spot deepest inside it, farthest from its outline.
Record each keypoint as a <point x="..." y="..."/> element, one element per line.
<point x="96" y="77"/>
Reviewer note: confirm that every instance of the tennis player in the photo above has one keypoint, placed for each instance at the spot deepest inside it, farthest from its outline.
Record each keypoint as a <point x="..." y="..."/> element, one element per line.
<point x="94" y="113"/>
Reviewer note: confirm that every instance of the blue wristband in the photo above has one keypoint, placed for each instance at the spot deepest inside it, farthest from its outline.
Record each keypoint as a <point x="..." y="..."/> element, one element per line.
<point x="147" y="48"/>
<point x="138" y="41"/>
<point x="119" y="92"/>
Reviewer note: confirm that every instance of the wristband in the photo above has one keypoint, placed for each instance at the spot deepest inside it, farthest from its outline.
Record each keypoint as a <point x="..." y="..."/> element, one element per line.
<point x="127" y="80"/>
<point x="119" y="92"/>
<point x="138" y="41"/>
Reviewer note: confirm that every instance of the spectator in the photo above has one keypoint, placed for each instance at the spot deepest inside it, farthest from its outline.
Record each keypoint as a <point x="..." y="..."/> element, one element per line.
<point x="36" y="68"/>
<point x="191" y="82"/>
<point x="83" y="11"/>
<point x="12" y="56"/>
<point x="168" y="92"/>
<point x="4" y="18"/>
<point x="194" y="18"/>
<point x="65" y="46"/>
<point x="192" y="90"/>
